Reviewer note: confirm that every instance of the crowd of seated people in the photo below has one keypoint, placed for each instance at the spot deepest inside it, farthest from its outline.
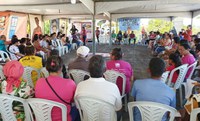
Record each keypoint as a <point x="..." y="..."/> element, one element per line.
<point x="172" y="50"/>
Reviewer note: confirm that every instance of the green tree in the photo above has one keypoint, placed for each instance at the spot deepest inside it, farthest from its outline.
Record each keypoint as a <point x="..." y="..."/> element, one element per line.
<point x="159" y="25"/>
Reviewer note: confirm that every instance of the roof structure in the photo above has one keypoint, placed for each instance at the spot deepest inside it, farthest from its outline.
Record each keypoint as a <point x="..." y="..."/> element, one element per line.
<point x="111" y="8"/>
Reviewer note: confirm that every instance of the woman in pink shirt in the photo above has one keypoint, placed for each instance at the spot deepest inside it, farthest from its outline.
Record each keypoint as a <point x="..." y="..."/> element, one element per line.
<point x="116" y="63"/>
<point x="65" y="88"/>
<point x="187" y="57"/>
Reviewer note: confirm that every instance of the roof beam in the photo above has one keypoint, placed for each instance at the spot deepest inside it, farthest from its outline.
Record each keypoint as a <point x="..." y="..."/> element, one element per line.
<point x="89" y="4"/>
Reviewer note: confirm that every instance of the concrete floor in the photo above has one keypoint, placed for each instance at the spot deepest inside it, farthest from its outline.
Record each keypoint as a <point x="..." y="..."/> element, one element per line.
<point x="138" y="56"/>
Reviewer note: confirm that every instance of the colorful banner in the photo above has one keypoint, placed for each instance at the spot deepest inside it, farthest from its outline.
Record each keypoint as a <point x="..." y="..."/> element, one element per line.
<point x="54" y="25"/>
<point x="126" y="24"/>
<point x="34" y="20"/>
<point x="63" y="26"/>
<point x="13" y="26"/>
<point x="17" y="25"/>
<point x="4" y="21"/>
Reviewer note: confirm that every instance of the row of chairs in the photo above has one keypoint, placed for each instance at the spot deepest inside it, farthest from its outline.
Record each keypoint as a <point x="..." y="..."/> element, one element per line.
<point x="182" y="70"/>
<point x="90" y="109"/>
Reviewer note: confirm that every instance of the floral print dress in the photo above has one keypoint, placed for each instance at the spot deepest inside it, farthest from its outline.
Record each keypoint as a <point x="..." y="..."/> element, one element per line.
<point x="23" y="91"/>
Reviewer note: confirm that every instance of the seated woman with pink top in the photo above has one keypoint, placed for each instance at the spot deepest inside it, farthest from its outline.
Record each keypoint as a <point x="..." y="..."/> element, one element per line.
<point x="65" y="88"/>
<point x="116" y="63"/>
<point x="187" y="57"/>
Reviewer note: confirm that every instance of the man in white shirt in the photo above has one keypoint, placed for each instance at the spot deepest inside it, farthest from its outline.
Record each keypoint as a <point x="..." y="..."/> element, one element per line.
<point x="97" y="86"/>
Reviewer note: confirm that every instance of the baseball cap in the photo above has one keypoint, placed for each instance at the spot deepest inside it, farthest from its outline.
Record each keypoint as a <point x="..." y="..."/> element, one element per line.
<point x="83" y="51"/>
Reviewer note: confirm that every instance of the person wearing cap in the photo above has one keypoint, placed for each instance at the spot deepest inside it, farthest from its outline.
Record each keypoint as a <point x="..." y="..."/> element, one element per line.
<point x="80" y="62"/>
<point x="14" y="50"/>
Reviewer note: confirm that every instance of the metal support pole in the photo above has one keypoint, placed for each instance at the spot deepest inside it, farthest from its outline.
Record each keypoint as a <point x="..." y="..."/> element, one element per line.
<point x="192" y="16"/>
<point x="93" y="21"/>
<point x="110" y="42"/>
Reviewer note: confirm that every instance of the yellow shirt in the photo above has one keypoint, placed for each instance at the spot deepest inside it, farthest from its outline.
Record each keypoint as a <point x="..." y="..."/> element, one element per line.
<point x="32" y="61"/>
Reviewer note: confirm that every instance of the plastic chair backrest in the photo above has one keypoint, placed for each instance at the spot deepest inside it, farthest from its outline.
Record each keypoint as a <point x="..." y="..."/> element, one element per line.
<point x="54" y="43"/>
<point x="4" y="55"/>
<point x="92" y="109"/>
<point x="27" y="75"/>
<point x="6" y="107"/>
<point x="181" y="76"/>
<point x="192" y="67"/>
<point x="189" y="88"/>
<point x="193" y="115"/>
<point x="42" y="109"/>
<point x="165" y="76"/>
<point x="78" y="75"/>
<point x="44" y="72"/>
<point x="151" y="111"/>
<point x="112" y="76"/>
<point x="2" y="77"/>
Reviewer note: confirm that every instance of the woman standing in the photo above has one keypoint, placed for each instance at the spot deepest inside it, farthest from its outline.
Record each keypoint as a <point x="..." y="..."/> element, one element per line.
<point x="119" y="37"/>
<point x="84" y="35"/>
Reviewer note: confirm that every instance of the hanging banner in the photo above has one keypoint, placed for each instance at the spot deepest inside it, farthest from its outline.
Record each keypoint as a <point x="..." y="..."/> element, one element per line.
<point x="127" y="24"/>
<point x="4" y="21"/>
<point x="63" y="26"/>
<point x="13" y="26"/>
<point x="17" y="25"/>
<point x="54" y="25"/>
<point x="36" y="24"/>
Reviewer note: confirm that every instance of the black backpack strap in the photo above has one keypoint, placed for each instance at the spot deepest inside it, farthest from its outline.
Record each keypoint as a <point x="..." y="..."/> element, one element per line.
<point x="56" y="93"/>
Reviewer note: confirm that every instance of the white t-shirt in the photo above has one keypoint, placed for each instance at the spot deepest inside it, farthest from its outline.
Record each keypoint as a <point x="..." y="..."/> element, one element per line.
<point x="12" y="50"/>
<point x="101" y="89"/>
<point x="44" y="44"/>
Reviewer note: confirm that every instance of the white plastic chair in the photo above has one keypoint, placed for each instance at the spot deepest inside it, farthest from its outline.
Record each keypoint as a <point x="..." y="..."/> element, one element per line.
<point x="78" y="75"/>
<point x="6" y="107"/>
<point x="57" y="47"/>
<point x="42" y="109"/>
<point x="189" y="87"/>
<point x="63" y="48"/>
<point x="181" y="76"/>
<point x="165" y="76"/>
<point x="91" y="109"/>
<point x="193" y="67"/>
<point x="44" y="72"/>
<point x="2" y="77"/>
<point x="151" y="111"/>
<point x="27" y="75"/>
<point x="4" y="55"/>
<point x="193" y="115"/>
<point x="111" y="76"/>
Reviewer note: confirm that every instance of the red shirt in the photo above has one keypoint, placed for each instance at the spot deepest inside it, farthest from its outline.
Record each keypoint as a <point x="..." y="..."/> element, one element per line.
<point x="187" y="35"/>
<point x="175" y="76"/>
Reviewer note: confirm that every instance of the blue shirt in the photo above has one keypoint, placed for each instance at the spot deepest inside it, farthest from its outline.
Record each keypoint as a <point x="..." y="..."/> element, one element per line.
<point x="154" y="91"/>
<point x="2" y="46"/>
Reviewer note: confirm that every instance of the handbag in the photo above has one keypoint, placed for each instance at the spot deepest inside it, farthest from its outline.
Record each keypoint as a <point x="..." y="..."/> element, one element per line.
<point x="56" y="93"/>
<point x="192" y="103"/>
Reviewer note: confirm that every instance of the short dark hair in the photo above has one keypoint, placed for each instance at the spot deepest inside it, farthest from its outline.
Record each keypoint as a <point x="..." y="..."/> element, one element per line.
<point x="185" y="45"/>
<point x="14" y="40"/>
<point x="54" y="52"/>
<point x="23" y="40"/>
<point x="35" y="37"/>
<point x="177" y="40"/>
<point x="117" y="53"/>
<point x="97" y="66"/>
<point x="157" y="67"/>
<point x="54" y="64"/>
<point x="29" y="50"/>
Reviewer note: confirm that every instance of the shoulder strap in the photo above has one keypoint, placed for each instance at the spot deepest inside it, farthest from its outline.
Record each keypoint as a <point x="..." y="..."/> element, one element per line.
<point x="57" y="94"/>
